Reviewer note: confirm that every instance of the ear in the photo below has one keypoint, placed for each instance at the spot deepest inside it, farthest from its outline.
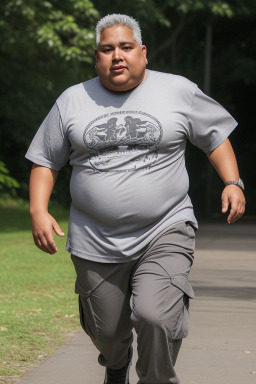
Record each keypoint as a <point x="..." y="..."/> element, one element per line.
<point x="144" y="51"/>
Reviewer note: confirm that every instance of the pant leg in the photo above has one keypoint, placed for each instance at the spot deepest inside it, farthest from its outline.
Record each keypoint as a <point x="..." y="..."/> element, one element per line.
<point x="104" y="304"/>
<point x="161" y="293"/>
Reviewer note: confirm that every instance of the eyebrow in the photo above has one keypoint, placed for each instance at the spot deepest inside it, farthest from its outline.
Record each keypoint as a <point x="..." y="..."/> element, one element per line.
<point x="111" y="45"/>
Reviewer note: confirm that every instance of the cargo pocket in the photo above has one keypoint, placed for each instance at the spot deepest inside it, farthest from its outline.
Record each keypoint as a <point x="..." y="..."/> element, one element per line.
<point x="181" y="326"/>
<point x="87" y="319"/>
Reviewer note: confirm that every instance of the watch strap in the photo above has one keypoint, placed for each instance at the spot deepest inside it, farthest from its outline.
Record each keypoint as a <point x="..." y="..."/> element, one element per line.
<point x="239" y="183"/>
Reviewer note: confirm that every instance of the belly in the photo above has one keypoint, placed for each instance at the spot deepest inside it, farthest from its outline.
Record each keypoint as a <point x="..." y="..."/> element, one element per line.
<point x="134" y="198"/>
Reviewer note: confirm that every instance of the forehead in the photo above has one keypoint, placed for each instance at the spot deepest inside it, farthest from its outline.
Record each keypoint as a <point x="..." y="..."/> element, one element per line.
<point x="116" y="34"/>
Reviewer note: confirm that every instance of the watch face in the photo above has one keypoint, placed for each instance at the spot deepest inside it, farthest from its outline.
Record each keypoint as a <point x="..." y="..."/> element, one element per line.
<point x="240" y="182"/>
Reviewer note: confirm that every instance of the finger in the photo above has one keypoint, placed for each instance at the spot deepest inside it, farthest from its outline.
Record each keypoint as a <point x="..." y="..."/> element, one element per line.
<point x="234" y="215"/>
<point x="46" y="249"/>
<point x="225" y="203"/>
<point x="236" y="212"/>
<point x="37" y="241"/>
<point x="241" y="211"/>
<point x="57" y="229"/>
<point x="50" y="244"/>
<point x="232" y="218"/>
<point x="45" y="244"/>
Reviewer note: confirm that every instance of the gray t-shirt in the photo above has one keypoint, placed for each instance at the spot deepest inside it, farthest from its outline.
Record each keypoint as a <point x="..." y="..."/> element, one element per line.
<point x="129" y="181"/>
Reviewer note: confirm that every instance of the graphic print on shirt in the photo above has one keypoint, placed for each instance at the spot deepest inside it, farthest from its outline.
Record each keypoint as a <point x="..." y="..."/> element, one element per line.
<point x="123" y="141"/>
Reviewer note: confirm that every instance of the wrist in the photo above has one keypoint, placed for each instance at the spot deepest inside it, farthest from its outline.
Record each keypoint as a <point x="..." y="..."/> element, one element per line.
<point x="37" y="211"/>
<point x="239" y="183"/>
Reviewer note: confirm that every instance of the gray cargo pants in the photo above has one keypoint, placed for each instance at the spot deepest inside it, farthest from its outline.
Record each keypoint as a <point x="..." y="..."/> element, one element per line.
<point x="160" y="290"/>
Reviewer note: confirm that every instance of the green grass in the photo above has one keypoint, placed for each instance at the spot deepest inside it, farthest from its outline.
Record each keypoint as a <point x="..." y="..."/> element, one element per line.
<point x="38" y="307"/>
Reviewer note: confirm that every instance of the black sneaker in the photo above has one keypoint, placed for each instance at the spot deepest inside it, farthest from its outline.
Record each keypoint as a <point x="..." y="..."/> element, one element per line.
<point x="119" y="376"/>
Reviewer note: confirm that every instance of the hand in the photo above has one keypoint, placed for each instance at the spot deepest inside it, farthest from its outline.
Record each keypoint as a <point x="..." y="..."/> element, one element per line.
<point x="43" y="225"/>
<point x="233" y="196"/>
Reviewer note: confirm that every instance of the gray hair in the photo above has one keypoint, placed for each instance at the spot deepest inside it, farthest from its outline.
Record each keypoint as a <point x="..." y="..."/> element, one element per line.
<point x="118" y="19"/>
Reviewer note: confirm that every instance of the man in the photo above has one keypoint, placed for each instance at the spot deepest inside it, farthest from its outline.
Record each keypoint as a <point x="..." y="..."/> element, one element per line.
<point x="131" y="230"/>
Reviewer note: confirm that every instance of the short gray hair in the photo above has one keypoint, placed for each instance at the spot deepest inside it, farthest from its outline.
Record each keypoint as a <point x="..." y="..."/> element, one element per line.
<point x="118" y="19"/>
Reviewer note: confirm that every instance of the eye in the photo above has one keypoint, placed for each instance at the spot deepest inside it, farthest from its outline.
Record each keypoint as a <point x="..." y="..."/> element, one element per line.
<point x="127" y="48"/>
<point x="107" y="50"/>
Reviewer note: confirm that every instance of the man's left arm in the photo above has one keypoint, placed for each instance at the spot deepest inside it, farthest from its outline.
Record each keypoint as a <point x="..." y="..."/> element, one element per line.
<point x="224" y="161"/>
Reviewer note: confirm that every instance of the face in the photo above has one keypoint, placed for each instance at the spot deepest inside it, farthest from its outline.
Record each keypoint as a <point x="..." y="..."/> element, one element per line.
<point x="120" y="60"/>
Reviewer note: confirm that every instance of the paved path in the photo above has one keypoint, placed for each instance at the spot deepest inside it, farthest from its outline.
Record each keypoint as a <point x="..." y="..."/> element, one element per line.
<point x="221" y="347"/>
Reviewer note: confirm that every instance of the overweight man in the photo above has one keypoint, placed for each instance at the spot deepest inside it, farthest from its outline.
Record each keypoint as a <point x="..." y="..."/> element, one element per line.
<point x="132" y="226"/>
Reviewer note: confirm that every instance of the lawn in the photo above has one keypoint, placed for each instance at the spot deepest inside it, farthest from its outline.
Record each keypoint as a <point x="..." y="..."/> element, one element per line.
<point x="38" y="307"/>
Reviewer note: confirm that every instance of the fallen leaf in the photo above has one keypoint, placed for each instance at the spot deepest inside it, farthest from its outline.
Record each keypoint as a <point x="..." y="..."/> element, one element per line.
<point x="73" y="315"/>
<point x="3" y="329"/>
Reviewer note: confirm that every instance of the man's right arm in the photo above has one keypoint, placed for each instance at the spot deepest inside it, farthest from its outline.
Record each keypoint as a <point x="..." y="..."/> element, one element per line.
<point x="42" y="180"/>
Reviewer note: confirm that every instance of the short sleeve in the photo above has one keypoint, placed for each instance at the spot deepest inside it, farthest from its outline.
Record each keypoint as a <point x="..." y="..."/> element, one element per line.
<point x="209" y="124"/>
<point x="50" y="146"/>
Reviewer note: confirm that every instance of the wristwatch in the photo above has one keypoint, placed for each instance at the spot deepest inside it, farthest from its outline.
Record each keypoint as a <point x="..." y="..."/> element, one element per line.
<point x="239" y="183"/>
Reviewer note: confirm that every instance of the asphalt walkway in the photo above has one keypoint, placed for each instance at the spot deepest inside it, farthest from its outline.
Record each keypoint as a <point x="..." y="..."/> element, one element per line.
<point x="221" y="347"/>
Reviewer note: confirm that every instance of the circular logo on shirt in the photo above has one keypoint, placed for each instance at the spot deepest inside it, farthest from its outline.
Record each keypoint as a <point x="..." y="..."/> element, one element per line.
<point x="123" y="141"/>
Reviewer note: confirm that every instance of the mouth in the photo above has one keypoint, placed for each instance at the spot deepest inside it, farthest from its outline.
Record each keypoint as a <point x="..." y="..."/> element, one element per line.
<point x="118" y="69"/>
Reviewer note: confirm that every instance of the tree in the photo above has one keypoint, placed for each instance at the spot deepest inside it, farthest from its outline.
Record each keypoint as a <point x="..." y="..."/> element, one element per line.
<point x="6" y="181"/>
<point x="46" y="46"/>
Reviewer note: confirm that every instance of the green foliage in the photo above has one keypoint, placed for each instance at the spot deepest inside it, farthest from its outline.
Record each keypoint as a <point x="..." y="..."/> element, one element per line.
<point x="6" y="181"/>
<point x="54" y="27"/>
<point x="46" y="46"/>
<point x="39" y="41"/>
<point x="220" y="8"/>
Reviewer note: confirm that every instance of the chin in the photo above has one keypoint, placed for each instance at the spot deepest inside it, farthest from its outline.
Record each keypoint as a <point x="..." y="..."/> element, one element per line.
<point x="118" y="86"/>
<point x="125" y="85"/>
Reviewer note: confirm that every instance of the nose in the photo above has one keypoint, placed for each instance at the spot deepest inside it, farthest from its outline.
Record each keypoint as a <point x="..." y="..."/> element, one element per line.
<point x="117" y="55"/>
